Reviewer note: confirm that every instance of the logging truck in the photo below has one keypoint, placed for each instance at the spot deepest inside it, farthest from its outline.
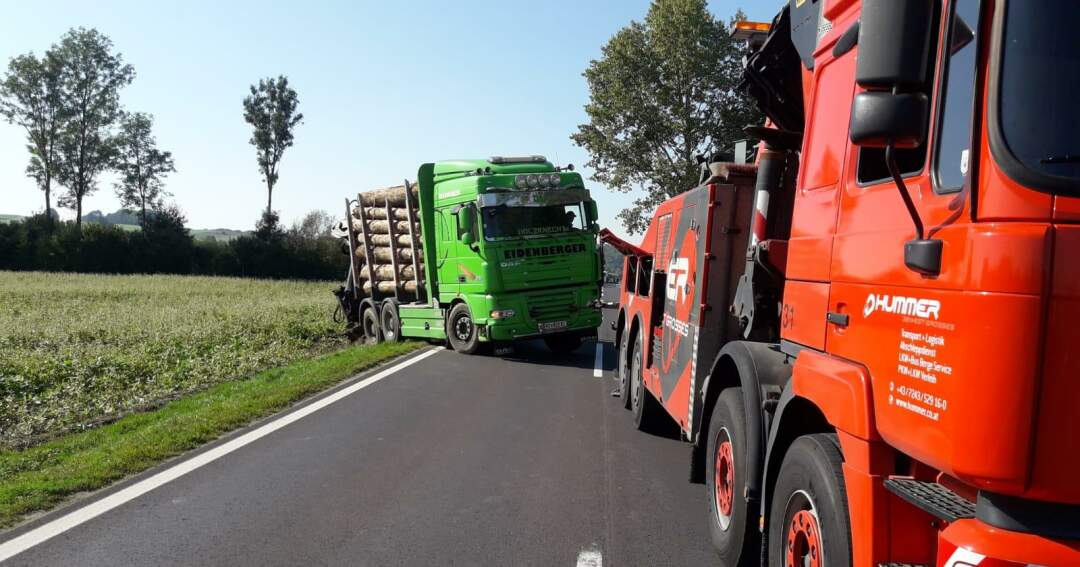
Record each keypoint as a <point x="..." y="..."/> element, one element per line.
<point x="868" y="336"/>
<point x="476" y="252"/>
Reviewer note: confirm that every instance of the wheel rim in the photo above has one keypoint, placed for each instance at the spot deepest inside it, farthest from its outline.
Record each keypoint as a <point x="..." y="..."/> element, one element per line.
<point x="463" y="328"/>
<point x="803" y="547"/>
<point x="637" y="384"/>
<point x="724" y="478"/>
<point x="389" y="329"/>
<point x="371" y="328"/>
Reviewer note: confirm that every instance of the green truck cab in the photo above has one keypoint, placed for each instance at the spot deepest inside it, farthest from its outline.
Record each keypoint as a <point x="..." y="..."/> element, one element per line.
<point x="509" y="252"/>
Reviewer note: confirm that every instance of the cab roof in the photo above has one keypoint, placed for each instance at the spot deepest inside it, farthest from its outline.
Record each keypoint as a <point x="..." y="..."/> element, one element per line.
<point x="497" y="165"/>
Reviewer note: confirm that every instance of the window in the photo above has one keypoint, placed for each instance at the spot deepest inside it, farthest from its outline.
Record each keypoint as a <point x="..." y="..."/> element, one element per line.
<point x="957" y="99"/>
<point x="872" y="168"/>
<point x="1037" y="112"/>
<point x="644" y="277"/>
<point x="631" y="274"/>
<point x="504" y="222"/>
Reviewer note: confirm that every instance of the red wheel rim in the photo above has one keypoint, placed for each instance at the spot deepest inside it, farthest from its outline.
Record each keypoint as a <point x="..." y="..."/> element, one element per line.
<point x="724" y="478"/>
<point x="804" y="540"/>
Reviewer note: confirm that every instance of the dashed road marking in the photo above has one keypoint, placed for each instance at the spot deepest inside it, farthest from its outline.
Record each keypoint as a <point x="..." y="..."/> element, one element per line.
<point x="598" y="365"/>
<point x="45" y="532"/>
<point x="590" y="558"/>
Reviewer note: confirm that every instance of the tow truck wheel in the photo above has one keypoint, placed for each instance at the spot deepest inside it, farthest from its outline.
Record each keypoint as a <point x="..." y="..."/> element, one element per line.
<point x="623" y="374"/>
<point x="641" y="401"/>
<point x="563" y="344"/>
<point x="369" y="322"/>
<point x="808" y="522"/>
<point x="461" y="330"/>
<point x="733" y="537"/>
<point x="390" y="321"/>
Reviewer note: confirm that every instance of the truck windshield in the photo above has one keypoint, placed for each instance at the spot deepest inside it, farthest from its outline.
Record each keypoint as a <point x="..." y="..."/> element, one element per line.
<point x="503" y="222"/>
<point x="1038" y="110"/>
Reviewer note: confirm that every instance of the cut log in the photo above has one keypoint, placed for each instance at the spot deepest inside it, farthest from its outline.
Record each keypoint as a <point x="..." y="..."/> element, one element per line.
<point x="388" y="287"/>
<point x="396" y="196"/>
<point x="379" y="213"/>
<point x="382" y="254"/>
<point x="384" y="240"/>
<point x="383" y="227"/>
<point x="385" y="273"/>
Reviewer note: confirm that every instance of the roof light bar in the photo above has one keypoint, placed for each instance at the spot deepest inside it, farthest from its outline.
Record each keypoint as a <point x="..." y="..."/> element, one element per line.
<point x="498" y="160"/>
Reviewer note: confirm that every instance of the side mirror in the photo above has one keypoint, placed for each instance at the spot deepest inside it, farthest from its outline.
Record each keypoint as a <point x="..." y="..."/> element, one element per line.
<point x="467" y="223"/>
<point x="592" y="216"/>
<point x="894" y="43"/>
<point x="883" y="119"/>
<point x="894" y="55"/>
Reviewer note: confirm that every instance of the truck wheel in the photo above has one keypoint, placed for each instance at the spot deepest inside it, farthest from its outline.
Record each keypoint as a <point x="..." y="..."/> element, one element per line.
<point x="733" y="537"/>
<point x="369" y="322"/>
<point x="461" y="330"/>
<point x="808" y="522"/>
<point x="391" y="321"/>
<point x="563" y="344"/>
<point x="641" y="401"/>
<point x="623" y="374"/>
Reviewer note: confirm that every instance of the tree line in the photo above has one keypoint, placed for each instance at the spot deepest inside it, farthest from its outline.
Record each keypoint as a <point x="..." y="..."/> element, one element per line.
<point x="305" y="250"/>
<point x="67" y="101"/>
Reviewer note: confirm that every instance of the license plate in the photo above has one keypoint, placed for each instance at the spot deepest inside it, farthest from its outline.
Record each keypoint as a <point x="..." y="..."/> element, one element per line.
<point x="552" y="326"/>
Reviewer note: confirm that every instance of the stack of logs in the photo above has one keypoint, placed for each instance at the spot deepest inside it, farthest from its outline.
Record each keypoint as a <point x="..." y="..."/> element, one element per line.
<point x="385" y="225"/>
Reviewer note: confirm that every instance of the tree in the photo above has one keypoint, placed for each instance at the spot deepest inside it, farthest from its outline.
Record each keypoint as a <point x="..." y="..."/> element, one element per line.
<point x="141" y="165"/>
<point x="91" y="77"/>
<point x="663" y="92"/>
<point x="30" y="98"/>
<point x="271" y="111"/>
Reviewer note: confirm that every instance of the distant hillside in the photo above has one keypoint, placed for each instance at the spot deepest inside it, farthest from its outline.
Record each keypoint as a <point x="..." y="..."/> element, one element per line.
<point x="219" y="234"/>
<point x="130" y="223"/>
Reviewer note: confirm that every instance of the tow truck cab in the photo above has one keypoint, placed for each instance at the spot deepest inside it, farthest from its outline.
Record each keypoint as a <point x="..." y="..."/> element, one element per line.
<point x="911" y="287"/>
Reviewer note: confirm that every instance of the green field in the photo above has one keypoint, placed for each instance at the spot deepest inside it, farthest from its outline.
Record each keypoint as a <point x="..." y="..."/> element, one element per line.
<point x="76" y="350"/>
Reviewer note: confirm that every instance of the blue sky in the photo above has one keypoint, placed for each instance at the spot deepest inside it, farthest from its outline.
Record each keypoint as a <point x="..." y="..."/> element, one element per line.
<point x="384" y="86"/>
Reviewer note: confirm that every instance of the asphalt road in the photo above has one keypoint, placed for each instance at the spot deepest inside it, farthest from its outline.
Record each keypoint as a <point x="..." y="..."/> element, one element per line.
<point x="454" y="460"/>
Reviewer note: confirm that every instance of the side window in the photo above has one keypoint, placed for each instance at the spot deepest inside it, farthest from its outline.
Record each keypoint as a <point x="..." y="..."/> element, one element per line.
<point x="957" y="99"/>
<point x="872" y="168"/>
<point x="631" y="274"/>
<point x="644" y="277"/>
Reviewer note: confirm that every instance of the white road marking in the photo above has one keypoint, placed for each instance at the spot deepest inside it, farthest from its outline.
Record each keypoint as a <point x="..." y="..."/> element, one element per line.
<point x="68" y="521"/>
<point x="590" y="558"/>
<point x="598" y="365"/>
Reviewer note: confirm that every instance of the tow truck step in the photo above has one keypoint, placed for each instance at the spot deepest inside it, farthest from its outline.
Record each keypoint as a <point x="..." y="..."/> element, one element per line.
<point x="933" y="498"/>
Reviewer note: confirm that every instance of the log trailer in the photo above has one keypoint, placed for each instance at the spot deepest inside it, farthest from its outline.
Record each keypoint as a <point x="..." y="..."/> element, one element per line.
<point x="475" y="252"/>
<point x="867" y="336"/>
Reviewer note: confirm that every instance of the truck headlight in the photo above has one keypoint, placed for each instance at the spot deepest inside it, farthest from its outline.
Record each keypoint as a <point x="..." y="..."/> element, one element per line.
<point x="533" y="181"/>
<point x="502" y="314"/>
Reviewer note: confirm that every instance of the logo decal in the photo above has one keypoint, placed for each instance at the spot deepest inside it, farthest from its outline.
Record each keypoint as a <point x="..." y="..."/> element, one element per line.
<point x="678" y="272"/>
<point x="911" y="306"/>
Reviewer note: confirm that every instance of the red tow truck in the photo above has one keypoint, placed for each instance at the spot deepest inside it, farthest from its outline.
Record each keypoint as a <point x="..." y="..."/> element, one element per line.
<point x="868" y="336"/>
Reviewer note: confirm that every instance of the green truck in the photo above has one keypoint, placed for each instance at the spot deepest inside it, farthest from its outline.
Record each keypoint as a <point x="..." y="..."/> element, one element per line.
<point x="476" y="252"/>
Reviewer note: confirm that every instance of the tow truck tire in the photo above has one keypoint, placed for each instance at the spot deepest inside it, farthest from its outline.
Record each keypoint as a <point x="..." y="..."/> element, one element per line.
<point x="642" y="403"/>
<point x="390" y="321"/>
<point x="733" y="537"/>
<point x="563" y="344"/>
<point x="369" y="322"/>
<point x="623" y="374"/>
<point x="808" y="522"/>
<point x="461" y="331"/>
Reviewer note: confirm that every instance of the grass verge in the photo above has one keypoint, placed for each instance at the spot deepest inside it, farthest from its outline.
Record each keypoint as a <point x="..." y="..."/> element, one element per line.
<point x="41" y="477"/>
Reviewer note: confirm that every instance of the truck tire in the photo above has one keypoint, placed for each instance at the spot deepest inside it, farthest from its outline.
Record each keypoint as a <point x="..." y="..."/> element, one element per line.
<point x="563" y="344"/>
<point x="369" y="322"/>
<point x="461" y="331"/>
<point x="390" y="321"/>
<point x="808" y="522"/>
<point x="643" y="405"/>
<point x="734" y="536"/>
<point x="623" y="374"/>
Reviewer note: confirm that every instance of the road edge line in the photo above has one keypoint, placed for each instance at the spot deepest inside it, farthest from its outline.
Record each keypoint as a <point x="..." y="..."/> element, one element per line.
<point x="53" y="528"/>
